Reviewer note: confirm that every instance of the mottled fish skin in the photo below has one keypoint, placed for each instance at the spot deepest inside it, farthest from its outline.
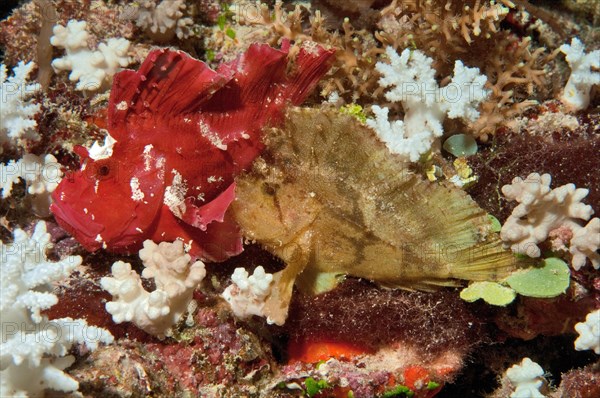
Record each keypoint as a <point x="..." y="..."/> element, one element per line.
<point x="183" y="132"/>
<point x="328" y="197"/>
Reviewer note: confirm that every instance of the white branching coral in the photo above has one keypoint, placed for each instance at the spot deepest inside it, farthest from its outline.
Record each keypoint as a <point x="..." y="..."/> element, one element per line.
<point x="162" y="21"/>
<point x="175" y="277"/>
<point x="577" y="91"/>
<point x="527" y="378"/>
<point x="41" y="174"/>
<point x="545" y="213"/>
<point x="33" y="350"/>
<point x="92" y="70"/>
<point x="589" y="333"/>
<point x="247" y="294"/>
<point x="17" y="109"/>
<point x="425" y="103"/>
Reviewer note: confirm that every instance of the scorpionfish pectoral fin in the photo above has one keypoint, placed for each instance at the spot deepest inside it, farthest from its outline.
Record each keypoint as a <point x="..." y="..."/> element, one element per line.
<point x="218" y="242"/>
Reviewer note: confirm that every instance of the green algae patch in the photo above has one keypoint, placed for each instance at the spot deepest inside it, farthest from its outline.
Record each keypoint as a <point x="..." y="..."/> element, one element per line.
<point x="490" y="292"/>
<point x="461" y="145"/>
<point x="314" y="387"/>
<point x="550" y="280"/>
<point x="354" y="110"/>
<point x="399" y="391"/>
<point x="496" y="226"/>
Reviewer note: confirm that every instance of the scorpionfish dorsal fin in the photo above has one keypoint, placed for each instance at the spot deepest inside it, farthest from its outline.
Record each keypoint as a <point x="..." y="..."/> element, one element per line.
<point x="168" y="83"/>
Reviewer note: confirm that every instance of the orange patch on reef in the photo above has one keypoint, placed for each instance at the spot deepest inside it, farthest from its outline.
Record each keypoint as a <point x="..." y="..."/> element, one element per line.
<point x="415" y="377"/>
<point x="315" y="351"/>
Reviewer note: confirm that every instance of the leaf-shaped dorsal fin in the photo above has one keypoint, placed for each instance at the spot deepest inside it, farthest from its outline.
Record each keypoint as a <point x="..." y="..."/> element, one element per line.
<point x="260" y="76"/>
<point x="168" y="83"/>
<point x="261" y="89"/>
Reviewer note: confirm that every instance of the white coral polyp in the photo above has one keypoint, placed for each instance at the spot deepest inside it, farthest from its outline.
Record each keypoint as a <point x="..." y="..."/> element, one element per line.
<point x="33" y="349"/>
<point x="543" y="212"/>
<point x="527" y="378"/>
<point x="426" y="105"/>
<point x="577" y="91"/>
<point x="248" y="293"/>
<point x="585" y="243"/>
<point x="17" y="108"/>
<point x="164" y="20"/>
<point x="589" y="333"/>
<point x="41" y="174"/>
<point x="92" y="70"/>
<point x="175" y="277"/>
